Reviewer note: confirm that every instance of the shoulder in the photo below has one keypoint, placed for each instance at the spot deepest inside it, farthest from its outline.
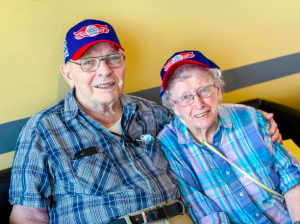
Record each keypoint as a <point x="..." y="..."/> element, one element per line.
<point x="239" y="110"/>
<point x="161" y="114"/>
<point x="143" y="103"/>
<point x="169" y="132"/>
<point x="46" y="117"/>
<point x="240" y="115"/>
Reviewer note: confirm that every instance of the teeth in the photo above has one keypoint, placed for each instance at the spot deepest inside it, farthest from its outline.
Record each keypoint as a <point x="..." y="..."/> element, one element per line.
<point x="104" y="86"/>
<point x="201" y="115"/>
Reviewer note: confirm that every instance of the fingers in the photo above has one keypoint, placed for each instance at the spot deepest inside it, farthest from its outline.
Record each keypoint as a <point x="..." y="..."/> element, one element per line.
<point x="273" y="130"/>
<point x="276" y="137"/>
<point x="279" y="140"/>
<point x="266" y="115"/>
<point x="273" y="127"/>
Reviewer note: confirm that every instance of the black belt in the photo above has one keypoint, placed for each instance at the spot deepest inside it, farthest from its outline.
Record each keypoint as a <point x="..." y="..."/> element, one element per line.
<point x="158" y="213"/>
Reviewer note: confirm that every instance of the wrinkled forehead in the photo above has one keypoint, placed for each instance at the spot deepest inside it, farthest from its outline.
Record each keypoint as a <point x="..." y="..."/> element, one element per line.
<point x="101" y="49"/>
<point x="189" y="72"/>
<point x="190" y="81"/>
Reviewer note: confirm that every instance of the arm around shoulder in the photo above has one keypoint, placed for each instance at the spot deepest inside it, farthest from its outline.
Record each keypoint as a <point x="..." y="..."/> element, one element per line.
<point x="28" y="215"/>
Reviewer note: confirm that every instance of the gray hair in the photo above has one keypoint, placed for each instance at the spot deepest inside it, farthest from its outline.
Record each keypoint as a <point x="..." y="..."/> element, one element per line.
<point x="185" y="71"/>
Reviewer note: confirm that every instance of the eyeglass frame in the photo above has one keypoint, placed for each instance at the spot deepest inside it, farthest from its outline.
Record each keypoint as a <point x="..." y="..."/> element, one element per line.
<point x="193" y="96"/>
<point x="101" y="58"/>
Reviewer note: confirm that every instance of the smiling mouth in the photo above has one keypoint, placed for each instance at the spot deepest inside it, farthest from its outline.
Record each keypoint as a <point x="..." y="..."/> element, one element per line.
<point x="104" y="85"/>
<point x="201" y="115"/>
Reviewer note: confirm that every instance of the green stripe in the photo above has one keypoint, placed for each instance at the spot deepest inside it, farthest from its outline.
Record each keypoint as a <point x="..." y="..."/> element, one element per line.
<point x="9" y="133"/>
<point x="234" y="78"/>
<point x="245" y="76"/>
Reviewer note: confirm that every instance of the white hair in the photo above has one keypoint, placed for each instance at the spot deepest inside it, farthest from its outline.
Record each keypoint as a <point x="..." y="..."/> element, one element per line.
<point x="184" y="72"/>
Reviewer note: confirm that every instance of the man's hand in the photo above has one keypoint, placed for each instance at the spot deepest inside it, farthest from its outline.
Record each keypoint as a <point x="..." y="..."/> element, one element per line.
<point x="273" y="131"/>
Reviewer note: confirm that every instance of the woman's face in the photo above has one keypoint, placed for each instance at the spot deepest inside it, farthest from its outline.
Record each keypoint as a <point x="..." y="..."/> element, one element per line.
<point x="202" y="115"/>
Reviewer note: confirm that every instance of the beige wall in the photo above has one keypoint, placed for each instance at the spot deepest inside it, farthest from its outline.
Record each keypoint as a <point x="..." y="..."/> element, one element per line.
<point x="232" y="33"/>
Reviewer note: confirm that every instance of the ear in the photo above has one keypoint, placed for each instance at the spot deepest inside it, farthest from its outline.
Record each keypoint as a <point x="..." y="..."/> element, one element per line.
<point x="219" y="94"/>
<point x="176" y="112"/>
<point x="66" y="73"/>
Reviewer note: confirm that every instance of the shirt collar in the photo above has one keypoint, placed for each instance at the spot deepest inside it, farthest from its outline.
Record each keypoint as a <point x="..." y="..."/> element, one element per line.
<point x="184" y="136"/>
<point x="224" y="117"/>
<point x="129" y="107"/>
<point x="71" y="106"/>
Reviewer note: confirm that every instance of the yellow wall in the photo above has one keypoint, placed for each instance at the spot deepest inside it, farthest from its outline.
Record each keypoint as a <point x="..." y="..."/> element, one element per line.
<point x="284" y="90"/>
<point x="232" y="33"/>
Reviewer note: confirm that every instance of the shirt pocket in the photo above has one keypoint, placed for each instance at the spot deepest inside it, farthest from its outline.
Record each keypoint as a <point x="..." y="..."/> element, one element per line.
<point x="96" y="174"/>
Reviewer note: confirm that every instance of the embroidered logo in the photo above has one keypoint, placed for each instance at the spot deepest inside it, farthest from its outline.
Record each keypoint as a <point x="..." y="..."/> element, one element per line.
<point x="91" y="31"/>
<point x="178" y="57"/>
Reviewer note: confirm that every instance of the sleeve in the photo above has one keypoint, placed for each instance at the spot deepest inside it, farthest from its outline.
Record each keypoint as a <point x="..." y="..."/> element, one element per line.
<point x="285" y="165"/>
<point x="200" y="208"/>
<point x="30" y="185"/>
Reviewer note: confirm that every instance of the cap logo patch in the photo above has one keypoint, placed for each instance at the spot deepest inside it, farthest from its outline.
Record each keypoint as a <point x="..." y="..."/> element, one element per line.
<point x="91" y="31"/>
<point x="178" y="57"/>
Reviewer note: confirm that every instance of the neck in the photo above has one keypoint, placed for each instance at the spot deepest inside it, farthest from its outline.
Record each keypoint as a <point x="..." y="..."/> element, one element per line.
<point x="205" y="134"/>
<point x="105" y="114"/>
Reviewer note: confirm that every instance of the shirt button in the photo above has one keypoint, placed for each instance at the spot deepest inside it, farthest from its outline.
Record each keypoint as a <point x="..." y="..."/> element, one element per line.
<point x="227" y="172"/>
<point x="189" y="206"/>
<point x="257" y="214"/>
<point x="242" y="194"/>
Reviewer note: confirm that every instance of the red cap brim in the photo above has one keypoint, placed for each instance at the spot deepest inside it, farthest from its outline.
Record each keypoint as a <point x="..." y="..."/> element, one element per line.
<point x="173" y="68"/>
<point x="81" y="50"/>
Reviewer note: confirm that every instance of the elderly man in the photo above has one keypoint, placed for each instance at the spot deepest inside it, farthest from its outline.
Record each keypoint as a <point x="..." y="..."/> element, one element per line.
<point x="92" y="157"/>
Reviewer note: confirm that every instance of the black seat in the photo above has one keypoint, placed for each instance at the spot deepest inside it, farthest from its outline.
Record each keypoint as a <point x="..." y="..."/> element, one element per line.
<point x="5" y="207"/>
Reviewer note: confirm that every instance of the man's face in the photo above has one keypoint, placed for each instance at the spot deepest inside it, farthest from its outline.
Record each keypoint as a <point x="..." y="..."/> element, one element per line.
<point x="103" y="86"/>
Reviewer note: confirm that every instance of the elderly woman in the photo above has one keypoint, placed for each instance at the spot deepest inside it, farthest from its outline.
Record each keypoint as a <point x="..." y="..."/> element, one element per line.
<point x="212" y="188"/>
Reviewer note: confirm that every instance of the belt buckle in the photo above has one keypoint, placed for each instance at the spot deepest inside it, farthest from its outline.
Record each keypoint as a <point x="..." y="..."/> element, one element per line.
<point x="177" y="201"/>
<point x="182" y="205"/>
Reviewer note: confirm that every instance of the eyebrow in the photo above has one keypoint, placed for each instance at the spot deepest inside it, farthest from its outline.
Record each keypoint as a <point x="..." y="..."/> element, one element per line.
<point x="88" y="53"/>
<point x="189" y="93"/>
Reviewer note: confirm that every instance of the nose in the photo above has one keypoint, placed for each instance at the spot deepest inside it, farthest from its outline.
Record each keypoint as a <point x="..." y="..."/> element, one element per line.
<point x="198" y="102"/>
<point x="104" y="69"/>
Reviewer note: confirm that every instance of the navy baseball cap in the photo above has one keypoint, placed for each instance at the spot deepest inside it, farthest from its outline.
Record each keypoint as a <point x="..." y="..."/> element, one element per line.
<point x="86" y="33"/>
<point x="181" y="58"/>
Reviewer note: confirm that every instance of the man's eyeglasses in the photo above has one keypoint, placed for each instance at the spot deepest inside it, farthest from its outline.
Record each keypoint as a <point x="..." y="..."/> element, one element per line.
<point x="189" y="99"/>
<point x="92" y="64"/>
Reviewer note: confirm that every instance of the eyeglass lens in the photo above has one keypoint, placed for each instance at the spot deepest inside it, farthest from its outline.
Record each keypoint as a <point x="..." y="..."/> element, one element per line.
<point x="203" y="93"/>
<point x="92" y="64"/>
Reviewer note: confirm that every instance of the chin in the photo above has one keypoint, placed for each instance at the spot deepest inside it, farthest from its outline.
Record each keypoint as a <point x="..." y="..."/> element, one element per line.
<point x="109" y="98"/>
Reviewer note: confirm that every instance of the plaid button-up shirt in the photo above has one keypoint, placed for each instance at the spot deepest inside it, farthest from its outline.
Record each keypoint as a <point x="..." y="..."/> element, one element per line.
<point x="212" y="189"/>
<point x="119" y="179"/>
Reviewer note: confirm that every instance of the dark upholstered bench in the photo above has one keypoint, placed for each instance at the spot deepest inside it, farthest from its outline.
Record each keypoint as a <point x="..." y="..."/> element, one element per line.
<point x="5" y="207"/>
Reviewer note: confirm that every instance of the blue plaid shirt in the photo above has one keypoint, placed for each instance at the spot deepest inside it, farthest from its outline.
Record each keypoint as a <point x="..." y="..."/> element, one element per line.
<point x="120" y="178"/>
<point x="213" y="190"/>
